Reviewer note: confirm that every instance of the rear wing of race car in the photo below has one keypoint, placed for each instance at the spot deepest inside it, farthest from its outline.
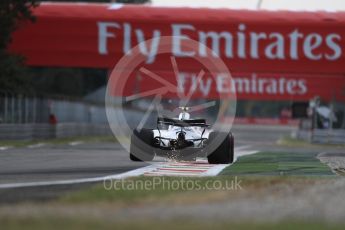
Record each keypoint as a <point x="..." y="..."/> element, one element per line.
<point x="181" y="123"/>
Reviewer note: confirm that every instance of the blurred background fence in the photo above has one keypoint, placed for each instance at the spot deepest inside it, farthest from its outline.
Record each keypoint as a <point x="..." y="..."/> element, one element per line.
<point x="28" y="117"/>
<point x="25" y="109"/>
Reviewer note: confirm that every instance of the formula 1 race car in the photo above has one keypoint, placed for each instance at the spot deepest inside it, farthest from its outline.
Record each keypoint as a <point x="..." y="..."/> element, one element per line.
<point x="182" y="138"/>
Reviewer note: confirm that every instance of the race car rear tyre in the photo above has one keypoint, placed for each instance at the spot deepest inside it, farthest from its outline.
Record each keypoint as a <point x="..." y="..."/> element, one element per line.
<point x="141" y="148"/>
<point x="224" y="153"/>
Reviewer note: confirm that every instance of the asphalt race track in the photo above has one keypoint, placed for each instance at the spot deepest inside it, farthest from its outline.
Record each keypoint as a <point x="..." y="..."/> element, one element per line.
<point x="88" y="160"/>
<point x="62" y="162"/>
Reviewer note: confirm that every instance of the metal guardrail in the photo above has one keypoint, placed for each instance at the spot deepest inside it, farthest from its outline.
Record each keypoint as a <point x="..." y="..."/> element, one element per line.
<point x="18" y="108"/>
<point x="324" y="136"/>
<point x="333" y="136"/>
<point x="26" y="109"/>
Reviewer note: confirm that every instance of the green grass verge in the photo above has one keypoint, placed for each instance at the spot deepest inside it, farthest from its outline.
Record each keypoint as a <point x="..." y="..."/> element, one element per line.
<point x="146" y="190"/>
<point x="104" y="203"/>
<point x="85" y="224"/>
<point x="295" y="168"/>
<point x="137" y="189"/>
<point x="57" y="141"/>
<point x="277" y="163"/>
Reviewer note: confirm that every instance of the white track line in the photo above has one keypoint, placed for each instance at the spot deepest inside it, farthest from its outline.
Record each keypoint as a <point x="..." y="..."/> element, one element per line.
<point x="2" y="148"/>
<point x="199" y="168"/>
<point x="214" y="171"/>
<point x="148" y="170"/>
<point x="74" y="143"/>
<point x="172" y="173"/>
<point x="244" y="153"/>
<point x="132" y="173"/>
<point x="38" y="145"/>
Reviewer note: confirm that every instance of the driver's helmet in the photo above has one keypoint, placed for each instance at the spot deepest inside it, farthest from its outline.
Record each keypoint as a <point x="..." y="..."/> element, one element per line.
<point x="184" y="116"/>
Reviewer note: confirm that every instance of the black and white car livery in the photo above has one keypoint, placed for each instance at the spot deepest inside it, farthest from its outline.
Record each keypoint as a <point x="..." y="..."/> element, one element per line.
<point x="182" y="138"/>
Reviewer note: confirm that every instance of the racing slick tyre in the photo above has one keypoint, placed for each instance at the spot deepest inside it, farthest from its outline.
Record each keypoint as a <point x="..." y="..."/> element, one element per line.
<point x="141" y="148"/>
<point x="224" y="153"/>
